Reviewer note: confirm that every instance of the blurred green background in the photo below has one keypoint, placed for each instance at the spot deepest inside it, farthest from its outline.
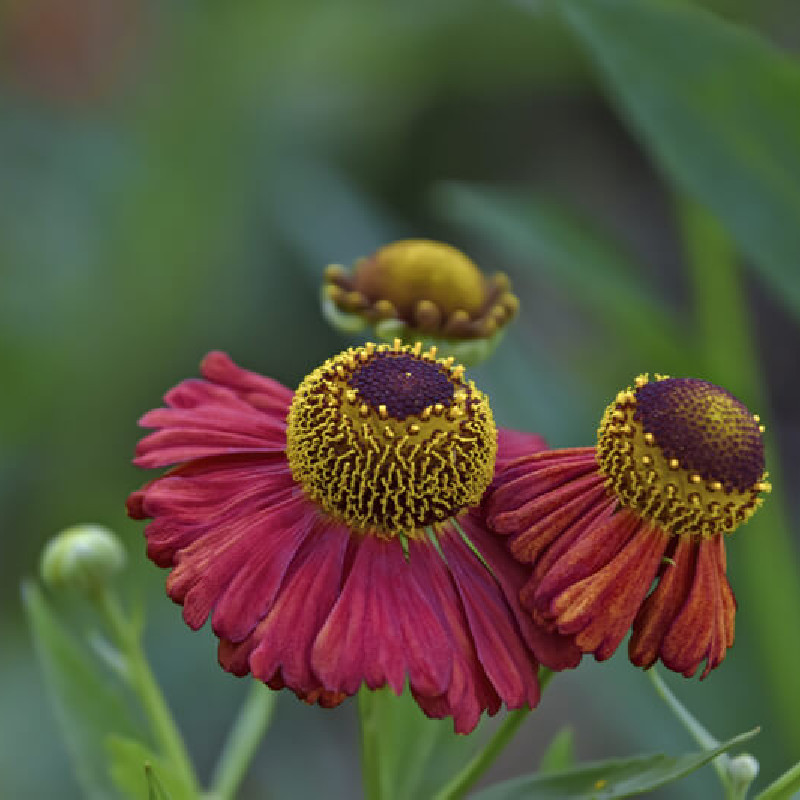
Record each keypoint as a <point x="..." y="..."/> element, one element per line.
<point x="175" y="175"/>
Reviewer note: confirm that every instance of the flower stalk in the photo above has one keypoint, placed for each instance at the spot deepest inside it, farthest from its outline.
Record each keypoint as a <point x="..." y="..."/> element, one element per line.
<point x="141" y="679"/>
<point x="247" y="732"/>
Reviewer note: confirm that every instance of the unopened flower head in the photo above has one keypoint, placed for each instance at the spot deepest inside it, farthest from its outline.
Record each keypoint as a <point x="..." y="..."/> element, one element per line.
<point x="422" y="290"/>
<point x="679" y="462"/>
<point x="333" y="536"/>
<point x="82" y="557"/>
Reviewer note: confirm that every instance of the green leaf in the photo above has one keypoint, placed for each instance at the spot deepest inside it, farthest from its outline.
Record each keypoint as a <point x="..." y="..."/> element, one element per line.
<point x="718" y="108"/>
<point x="614" y="778"/>
<point x="88" y="705"/>
<point x="566" y="251"/>
<point x="415" y="755"/>
<point x="560" y="753"/>
<point x="141" y="775"/>
<point x="788" y="785"/>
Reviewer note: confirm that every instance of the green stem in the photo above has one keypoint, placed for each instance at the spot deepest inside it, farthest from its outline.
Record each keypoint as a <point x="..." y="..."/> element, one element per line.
<point x="370" y="770"/>
<point x="140" y="676"/>
<point x="243" y="740"/>
<point x="465" y="779"/>
<point x="695" y="729"/>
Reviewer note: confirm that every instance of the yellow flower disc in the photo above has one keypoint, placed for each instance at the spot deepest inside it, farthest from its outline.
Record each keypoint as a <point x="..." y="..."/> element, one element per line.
<point x="685" y="453"/>
<point x="391" y="439"/>
<point x="406" y="271"/>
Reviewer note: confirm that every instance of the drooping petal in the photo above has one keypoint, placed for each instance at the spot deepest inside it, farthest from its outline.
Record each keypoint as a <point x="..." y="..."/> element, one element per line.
<point x="193" y="500"/>
<point x="551" y="649"/>
<point x="383" y="628"/>
<point x="704" y="627"/>
<point x="599" y="609"/>
<point x="663" y="604"/>
<point x="596" y="548"/>
<point x="470" y="692"/>
<point x="506" y="661"/>
<point x="281" y="644"/>
<point x="530" y="542"/>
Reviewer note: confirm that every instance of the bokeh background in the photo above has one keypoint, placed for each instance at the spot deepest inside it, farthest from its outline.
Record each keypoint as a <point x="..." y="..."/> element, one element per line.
<point x="175" y="175"/>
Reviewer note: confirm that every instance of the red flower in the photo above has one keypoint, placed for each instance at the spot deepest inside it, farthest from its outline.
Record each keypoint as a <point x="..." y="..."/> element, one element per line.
<point x="327" y="532"/>
<point x="679" y="463"/>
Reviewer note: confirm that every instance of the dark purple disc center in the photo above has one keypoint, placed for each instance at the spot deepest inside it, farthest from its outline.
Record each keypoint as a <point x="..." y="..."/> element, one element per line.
<point x="404" y="384"/>
<point x="706" y="428"/>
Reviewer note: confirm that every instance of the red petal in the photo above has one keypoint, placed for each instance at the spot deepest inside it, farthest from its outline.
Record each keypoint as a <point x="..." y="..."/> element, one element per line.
<point x="171" y="446"/>
<point x="589" y="554"/>
<point x="507" y="663"/>
<point x="541" y="460"/>
<point x="258" y="546"/>
<point x="543" y="502"/>
<point x="549" y="647"/>
<point x="703" y="629"/>
<point x="219" y="368"/>
<point x="662" y="606"/>
<point x="469" y="691"/>
<point x="382" y="627"/>
<point x="514" y="444"/>
<point x="530" y="542"/>
<point x="282" y="643"/>
<point x="600" y="608"/>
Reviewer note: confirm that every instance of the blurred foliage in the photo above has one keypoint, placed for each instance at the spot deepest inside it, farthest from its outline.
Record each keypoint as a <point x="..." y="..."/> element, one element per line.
<point x="175" y="176"/>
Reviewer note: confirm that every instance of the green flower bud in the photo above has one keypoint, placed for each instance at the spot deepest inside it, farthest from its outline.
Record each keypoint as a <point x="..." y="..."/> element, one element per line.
<point x="81" y="557"/>
<point x="742" y="771"/>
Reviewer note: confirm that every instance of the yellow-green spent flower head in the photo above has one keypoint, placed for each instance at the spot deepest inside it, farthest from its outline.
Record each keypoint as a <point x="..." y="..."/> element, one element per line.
<point x="418" y="289"/>
<point x="684" y="453"/>
<point x="81" y="557"/>
<point x="390" y="439"/>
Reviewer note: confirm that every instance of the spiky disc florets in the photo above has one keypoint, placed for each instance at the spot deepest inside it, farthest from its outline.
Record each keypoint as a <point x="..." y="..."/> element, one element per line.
<point x="390" y="439"/>
<point x="684" y="453"/>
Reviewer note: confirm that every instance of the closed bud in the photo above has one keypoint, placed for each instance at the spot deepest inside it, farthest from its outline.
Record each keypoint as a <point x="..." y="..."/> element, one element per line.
<point x="81" y="557"/>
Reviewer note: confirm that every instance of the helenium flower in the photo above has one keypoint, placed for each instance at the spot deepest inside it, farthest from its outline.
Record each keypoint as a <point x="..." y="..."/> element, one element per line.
<point x="679" y="464"/>
<point x="333" y="534"/>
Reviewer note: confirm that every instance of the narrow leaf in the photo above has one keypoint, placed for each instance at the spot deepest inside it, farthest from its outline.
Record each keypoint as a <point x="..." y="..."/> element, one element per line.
<point x="567" y="252"/>
<point x="603" y="780"/>
<point x="141" y="775"/>
<point x="88" y="705"/>
<point x="788" y="785"/>
<point x="719" y="109"/>
<point x="416" y="755"/>
<point x="560" y="753"/>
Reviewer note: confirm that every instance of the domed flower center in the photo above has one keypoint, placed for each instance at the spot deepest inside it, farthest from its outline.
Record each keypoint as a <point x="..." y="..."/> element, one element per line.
<point x="684" y="453"/>
<point x="411" y="269"/>
<point x="390" y="439"/>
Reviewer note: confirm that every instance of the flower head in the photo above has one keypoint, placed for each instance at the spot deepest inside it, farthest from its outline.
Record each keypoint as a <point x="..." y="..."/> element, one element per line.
<point x="331" y="534"/>
<point x="679" y="462"/>
<point x="422" y="290"/>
